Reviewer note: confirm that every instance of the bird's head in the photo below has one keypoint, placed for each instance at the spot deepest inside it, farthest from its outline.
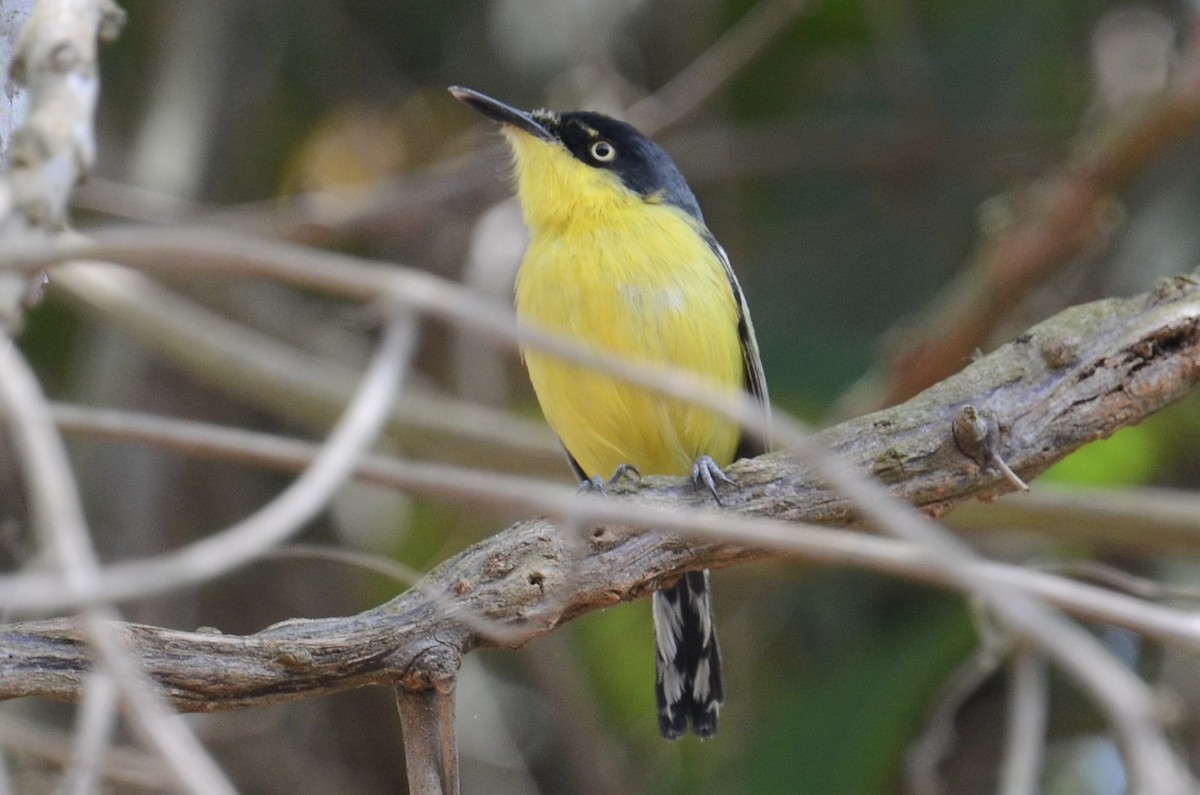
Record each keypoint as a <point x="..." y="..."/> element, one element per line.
<point x="582" y="164"/>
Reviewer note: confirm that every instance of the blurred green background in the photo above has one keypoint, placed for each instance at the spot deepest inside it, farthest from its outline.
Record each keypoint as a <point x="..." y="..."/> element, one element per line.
<point x="849" y="167"/>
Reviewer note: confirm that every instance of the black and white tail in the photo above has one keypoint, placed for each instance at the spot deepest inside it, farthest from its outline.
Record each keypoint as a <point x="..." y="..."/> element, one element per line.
<point x="687" y="661"/>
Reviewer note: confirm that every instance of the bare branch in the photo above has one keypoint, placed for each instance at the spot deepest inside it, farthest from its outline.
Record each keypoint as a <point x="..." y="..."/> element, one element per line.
<point x="430" y="750"/>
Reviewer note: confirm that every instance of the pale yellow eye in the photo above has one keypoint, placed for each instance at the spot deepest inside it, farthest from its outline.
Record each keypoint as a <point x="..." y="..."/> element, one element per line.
<point x="603" y="151"/>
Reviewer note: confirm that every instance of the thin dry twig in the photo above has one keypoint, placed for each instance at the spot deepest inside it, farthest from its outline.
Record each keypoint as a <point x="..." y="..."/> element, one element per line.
<point x="249" y="538"/>
<point x="1111" y="577"/>
<point x="379" y="564"/>
<point x="96" y="719"/>
<point x="716" y="66"/>
<point x="293" y="383"/>
<point x="394" y="207"/>
<point x="1025" y="734"/>
<point x="938" y="737"/>
<point x="1136" y="521"/>
<point x="121" y="764"/>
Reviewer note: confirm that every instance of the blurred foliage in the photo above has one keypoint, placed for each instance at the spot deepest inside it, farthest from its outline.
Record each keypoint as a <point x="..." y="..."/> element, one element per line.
<point x="872" y="702"/>
<point x="1159" y="451"/>
<point x="843" y="169"/>
<point x="1129" y="456"/>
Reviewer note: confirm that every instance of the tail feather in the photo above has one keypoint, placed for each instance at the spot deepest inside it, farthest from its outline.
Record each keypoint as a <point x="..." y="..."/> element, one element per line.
<point x="687" y="660"/>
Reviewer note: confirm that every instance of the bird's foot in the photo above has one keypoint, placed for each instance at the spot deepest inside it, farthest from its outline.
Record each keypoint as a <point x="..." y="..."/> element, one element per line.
<point x="623" y="472"/>
<point x="705" y="472"/>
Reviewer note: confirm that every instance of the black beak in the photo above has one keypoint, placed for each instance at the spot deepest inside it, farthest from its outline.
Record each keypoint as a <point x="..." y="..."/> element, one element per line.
<point x="496" y="110"/>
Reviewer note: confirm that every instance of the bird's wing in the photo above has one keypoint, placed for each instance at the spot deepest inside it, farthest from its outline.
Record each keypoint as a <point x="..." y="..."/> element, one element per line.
<point x="756" y="382"/>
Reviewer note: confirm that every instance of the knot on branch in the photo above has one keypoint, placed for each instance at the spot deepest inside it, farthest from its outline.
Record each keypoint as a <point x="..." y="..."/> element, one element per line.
<point x="433" y="667"/>
<point x="977" y="435"/>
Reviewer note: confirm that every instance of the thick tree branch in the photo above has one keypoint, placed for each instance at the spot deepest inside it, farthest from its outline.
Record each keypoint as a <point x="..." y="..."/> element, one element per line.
<point x="1074" y="378"/>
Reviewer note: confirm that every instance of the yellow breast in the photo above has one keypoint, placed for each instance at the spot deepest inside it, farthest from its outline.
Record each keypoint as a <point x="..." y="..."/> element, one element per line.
<point x="635" y="279"/>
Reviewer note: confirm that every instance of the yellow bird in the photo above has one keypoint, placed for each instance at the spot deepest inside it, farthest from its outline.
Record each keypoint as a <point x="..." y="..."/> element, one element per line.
<point x="620" y="259"/>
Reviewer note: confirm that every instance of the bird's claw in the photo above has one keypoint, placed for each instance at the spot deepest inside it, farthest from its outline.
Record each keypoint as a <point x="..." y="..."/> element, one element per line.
<point x="623" y="472"/>
<point x="593" y="485"/>
<point x="705" y="472"/>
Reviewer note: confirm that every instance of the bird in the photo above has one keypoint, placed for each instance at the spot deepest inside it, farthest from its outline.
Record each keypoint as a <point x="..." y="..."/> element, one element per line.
<point x="620" y="260"/>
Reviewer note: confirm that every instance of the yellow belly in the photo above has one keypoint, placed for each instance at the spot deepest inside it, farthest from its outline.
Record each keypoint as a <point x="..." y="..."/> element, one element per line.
<point x="649" y="288"/>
